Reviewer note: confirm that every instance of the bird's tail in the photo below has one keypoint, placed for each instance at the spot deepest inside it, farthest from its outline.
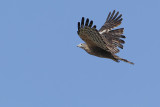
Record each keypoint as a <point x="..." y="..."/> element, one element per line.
<point x="125" y="60"/>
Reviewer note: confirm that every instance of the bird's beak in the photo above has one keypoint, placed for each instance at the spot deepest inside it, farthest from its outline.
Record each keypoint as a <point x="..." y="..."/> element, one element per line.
<point x="78" y="45"/>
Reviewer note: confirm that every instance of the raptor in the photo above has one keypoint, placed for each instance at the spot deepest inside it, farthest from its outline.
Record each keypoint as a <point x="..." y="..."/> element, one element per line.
<point x="106" y="41"/>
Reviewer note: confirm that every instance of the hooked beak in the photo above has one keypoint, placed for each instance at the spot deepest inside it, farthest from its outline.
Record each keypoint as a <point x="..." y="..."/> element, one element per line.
<point x="78" y="45"/>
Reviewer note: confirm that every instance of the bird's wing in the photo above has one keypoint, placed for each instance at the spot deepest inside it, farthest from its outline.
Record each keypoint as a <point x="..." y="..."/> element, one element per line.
<point x="113" y="37"/>
<point x="112" y="21"/>
<point x="90" y="35"/>
<point x="113" y="40"/>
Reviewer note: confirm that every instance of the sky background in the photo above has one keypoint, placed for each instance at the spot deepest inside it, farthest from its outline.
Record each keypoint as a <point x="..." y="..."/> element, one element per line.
<point x="40" y="65"/>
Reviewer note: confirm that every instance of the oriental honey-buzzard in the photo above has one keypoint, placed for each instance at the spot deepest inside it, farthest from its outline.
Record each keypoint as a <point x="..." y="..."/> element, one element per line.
<point x="104" y="42"/>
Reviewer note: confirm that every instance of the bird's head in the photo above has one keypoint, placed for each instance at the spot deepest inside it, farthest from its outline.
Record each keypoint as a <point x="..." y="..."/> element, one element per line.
<point x="82" y="45"/>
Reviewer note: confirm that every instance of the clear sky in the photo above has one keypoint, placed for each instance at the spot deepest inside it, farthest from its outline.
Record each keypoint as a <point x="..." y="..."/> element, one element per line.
<point x="40" y="65"/>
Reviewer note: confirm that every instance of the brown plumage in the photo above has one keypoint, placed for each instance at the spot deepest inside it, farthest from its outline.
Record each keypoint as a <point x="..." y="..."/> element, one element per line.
<point x="103" y="43"/>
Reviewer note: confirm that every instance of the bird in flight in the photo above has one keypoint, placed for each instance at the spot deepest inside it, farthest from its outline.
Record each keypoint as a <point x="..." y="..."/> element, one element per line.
<point x="104" y="42"/>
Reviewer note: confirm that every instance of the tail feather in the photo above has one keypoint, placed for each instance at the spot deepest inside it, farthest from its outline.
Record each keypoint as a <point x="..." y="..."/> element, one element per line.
<point x="125" y="60"/>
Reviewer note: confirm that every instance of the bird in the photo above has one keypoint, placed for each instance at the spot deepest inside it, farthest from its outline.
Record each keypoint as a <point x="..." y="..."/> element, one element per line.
<point x="106" y="41"/>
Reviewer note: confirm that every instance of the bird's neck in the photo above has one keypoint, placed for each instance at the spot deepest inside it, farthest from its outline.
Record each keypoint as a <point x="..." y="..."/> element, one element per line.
<point x="87" y="49"/>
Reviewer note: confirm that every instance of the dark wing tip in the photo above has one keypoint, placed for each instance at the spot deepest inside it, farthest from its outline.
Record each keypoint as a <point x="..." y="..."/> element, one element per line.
<point x="82" y="21"/>
<point x="94" y="26"/>
<point x="122" y="36"/>
<point x="122" y="41"/>
<point x="91" y="23"/>
<point x="114" y="16"/>
<point x="87" y="21"/>
<point x="119" y="18"/>
<point x="111" y="17"/>
<point x="79" y="25"/>
<point x="108" y="16"/>
<point x="120" y="46"/>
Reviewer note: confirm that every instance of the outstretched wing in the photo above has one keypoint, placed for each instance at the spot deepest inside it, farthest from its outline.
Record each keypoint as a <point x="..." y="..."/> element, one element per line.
<point x="112" y="21"/>
<point x="90" y="35"/>
<point x="113" y="40"/>
<point x="113" y="37"/>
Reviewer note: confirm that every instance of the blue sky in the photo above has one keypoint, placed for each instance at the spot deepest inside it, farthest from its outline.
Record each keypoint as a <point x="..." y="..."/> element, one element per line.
<point x="40" y="65"/>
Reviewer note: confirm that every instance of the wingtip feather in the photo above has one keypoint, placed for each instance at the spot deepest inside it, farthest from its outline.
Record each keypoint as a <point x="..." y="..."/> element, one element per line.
<point x="78" y="25"/>
<point x="94" y="26"/>
<point x="87" y="21"/>
<point x="91" y="23"/>
<point x="82" y="21"/>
